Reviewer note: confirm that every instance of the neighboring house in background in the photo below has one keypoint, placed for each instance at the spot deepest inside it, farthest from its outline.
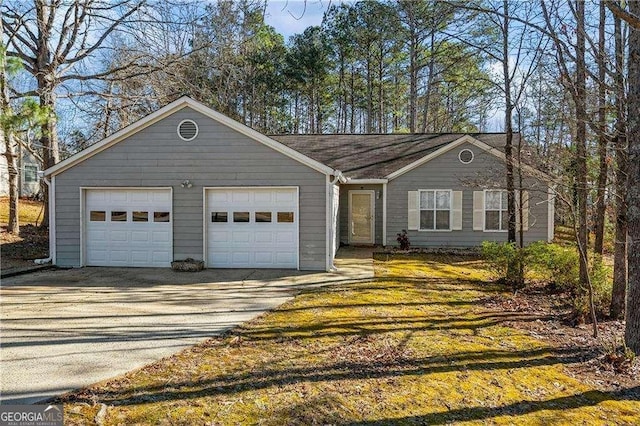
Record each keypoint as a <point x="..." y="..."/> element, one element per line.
<point x="189" y="182"/>
<point x="28" y="182"/>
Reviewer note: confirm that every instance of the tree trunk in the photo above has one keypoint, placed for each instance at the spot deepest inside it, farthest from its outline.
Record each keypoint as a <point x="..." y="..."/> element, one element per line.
<point x="12" y="166"/>
<point x="601" y="206"/>
<point x="10" y="148"/>
<point x="619" y="290"/>
<point x="581" y="142"/>
<point x="632" y="328"/>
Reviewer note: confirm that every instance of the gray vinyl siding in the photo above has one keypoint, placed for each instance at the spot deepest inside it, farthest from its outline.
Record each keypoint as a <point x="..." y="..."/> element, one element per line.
<point x="344" y="211"/>
<point x="446" y="172"/>
<point x="219" y="156"/>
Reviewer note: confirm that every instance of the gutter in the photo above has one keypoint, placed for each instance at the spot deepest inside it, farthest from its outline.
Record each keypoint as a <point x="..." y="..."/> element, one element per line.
<point x="51" y="224"/>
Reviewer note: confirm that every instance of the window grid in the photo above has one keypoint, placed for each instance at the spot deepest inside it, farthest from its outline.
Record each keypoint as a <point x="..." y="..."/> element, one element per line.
<point x="435" y="210"/>
<point x="495" y="210"/>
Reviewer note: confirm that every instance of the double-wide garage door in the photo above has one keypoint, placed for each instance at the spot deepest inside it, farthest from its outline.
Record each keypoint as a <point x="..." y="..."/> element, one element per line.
<point x="252" y="227"/>
<point x="128" y="227"/>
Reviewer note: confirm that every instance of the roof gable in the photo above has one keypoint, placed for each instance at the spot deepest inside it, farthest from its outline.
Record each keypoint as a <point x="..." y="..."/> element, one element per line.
<point x="170" y="109"/>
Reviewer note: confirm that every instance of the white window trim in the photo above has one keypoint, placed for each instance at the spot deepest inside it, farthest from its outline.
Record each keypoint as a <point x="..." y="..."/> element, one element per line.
<point x="484" y="212"/>
<point x="450" y="191"/>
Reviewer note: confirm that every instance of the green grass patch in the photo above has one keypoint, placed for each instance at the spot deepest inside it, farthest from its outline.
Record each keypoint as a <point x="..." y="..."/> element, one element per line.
<point x="413" y="346"/>
<point x="29" y="212"/>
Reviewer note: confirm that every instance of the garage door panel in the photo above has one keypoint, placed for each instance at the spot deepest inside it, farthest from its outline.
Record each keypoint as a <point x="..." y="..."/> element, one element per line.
<point x="263" y="237"/>
<point x="139" y="237"/>
<point x="143" y="242"/>
<point x="240" y="237"/>
<point x="263" y="197"/>
<point x="161" y="236"/>
<point x="118" y="197"/>
<point x="284" y="258"/>
<point x="254" y="243"/>
<point x="285" y="237"/>
<point x="285" y="197"/>
<point x="118" y="236"/>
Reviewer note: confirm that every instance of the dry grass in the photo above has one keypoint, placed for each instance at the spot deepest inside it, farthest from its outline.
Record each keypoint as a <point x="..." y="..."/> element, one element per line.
<point x="29" y="212"/>
<point x="414" y="346"/>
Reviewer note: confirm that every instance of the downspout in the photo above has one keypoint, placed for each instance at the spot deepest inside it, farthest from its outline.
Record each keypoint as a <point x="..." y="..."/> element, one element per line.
<point x="51" y="224"/>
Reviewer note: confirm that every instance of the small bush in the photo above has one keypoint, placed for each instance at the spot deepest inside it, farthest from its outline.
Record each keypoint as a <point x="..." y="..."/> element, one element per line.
<point x="403" y="240"/>
<point x="498" y="257"/>
<point x="600" y="275"/>
<point x="555" y="263"/>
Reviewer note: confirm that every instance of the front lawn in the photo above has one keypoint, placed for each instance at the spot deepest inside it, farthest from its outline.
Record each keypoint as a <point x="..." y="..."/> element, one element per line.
<point x="416" y="345"/>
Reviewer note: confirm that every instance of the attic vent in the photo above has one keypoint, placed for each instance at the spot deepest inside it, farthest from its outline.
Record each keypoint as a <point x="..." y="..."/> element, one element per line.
<point x="465" y="156"/>
<point x="187" y="130"/>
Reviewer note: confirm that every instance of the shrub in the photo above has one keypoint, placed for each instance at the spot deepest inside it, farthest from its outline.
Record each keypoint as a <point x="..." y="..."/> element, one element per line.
<point x="554" y="263"/>
<point x="403" y="240"/>
<point x="601" y="283"/>
<point x="498" y="256"/>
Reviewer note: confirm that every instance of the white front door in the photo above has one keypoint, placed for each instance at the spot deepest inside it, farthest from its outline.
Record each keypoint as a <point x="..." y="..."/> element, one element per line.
<point x="252" y="227"/>
<point x="361" y="217"/>
<point x="128" y="227"/>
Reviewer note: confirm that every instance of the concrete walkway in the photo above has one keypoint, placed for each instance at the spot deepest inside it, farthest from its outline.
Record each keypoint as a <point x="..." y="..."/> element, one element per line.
<point x="64" y="329"/>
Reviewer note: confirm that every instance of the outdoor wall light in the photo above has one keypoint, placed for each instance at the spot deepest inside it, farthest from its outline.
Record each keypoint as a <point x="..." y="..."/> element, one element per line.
<point x="186" y="184"/>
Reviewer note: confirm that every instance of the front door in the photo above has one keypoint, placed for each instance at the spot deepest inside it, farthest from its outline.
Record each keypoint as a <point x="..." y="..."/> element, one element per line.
<point x="361" y="217"/>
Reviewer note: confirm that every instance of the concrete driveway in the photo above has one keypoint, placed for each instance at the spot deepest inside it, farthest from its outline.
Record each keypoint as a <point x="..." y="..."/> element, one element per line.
<point x="65" y="329"/>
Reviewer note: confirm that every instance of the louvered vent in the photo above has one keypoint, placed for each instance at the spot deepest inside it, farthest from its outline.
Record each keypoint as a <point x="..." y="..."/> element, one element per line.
<point x="465" y="156"/>
<point x="187" y="130"/>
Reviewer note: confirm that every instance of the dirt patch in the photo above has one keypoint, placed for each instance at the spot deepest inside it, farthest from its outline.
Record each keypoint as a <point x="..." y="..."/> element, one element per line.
<point x="19" y="251"/>
<point x="601" y="361"/>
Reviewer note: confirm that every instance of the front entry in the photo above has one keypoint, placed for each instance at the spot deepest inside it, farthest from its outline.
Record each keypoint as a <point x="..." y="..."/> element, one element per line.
<point x="361" y="217"/>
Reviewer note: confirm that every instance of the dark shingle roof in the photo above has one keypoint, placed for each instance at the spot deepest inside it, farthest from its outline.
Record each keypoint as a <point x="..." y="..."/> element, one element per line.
<point x="371" y="156"/>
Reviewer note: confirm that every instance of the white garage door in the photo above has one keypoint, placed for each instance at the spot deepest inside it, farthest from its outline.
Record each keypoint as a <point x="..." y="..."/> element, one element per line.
<point x="252" y="228"/>
<point x="128" y="227"/>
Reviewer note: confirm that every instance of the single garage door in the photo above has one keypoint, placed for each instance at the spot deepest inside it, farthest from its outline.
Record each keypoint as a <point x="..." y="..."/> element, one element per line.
<point x="252" y="228"/>
<point x="128" y="227"/>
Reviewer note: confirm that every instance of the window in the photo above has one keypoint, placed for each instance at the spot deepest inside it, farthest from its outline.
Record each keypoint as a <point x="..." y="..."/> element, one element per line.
<point x="241" y="216"/>
<point x="97" y="216"/>
<point x="496" y="217"/>
<point x="161" y="216"/>
<point x="435" y="210"/>
<point x="118" y="216"/>
<point x="219" y="217"/>
<point x="140" y="216"/>
<point x="30" y="174"/>
<point x="262" y="217"/>
<point x="285" y="217"/>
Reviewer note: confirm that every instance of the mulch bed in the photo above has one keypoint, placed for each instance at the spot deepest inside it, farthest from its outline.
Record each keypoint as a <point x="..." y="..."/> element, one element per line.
<point x="599" y="362"/>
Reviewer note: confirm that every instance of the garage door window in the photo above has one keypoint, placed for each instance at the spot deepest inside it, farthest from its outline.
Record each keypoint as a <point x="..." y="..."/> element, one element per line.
<point x="118" y="216"/>
<point x="241" y="216"/>
<point x="140" y="216"/>
<point x="285" y="217"/>
<point x="263" y="217"/>
<point x="97" y="216"/>
<point x="161" y="216"/>
<point x="219" y="217"/>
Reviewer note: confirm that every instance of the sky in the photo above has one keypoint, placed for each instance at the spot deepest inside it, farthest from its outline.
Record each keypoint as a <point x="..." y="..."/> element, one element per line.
<point x="291" y="17"/>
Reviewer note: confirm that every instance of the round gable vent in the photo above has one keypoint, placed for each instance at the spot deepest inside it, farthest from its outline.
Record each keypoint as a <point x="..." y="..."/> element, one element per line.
<point x="187" y="130"/>
<point x="465" y="156"/>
